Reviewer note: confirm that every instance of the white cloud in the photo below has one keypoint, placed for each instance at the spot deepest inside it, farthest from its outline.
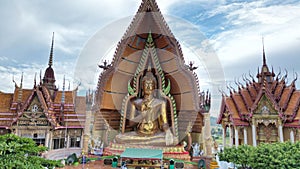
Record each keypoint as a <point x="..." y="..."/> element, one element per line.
<point x="28" y="26"/>
<point x="278" y="24"/>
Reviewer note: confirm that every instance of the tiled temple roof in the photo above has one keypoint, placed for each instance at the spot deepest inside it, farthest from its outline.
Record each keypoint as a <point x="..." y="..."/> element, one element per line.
<point x="11" y="108"/>
<point x="241" y="104"/>
<point x="59" y="107"/>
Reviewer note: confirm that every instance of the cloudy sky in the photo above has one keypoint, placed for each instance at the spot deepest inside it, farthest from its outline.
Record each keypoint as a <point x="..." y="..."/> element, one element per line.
<point x="232" y="29"/>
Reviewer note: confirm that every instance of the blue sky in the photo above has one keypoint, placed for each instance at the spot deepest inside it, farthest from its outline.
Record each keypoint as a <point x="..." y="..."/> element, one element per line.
<point x="233" y="30"/>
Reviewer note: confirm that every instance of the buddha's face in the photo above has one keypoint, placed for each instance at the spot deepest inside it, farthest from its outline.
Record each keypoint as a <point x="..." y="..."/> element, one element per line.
<point x="148" y="87"/>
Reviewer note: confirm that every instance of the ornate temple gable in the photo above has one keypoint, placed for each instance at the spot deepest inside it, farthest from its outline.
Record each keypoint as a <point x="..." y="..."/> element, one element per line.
<point x="265" y="107"/>
<point x="34" y="111"/>
<point x="265" y="93"/>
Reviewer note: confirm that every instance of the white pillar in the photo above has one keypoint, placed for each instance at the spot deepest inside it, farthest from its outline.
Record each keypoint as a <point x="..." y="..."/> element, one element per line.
<point x="280" y="133"/>
<point x="292" y="136"/>
<point x="50" y="140"/>
<point x="230" y="136"/>
<point x="68" y="141"/>
<point x="224" y="136"/>
<point x="245" y="136"/>
<point x="207" y="139"/>
<point x="236" y="132"/>
<point x="47" y="138"/>
<point x="254" y="135"/>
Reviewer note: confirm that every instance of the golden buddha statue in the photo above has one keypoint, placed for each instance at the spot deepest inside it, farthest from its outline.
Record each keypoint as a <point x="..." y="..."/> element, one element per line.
<point x="148" y="115"/>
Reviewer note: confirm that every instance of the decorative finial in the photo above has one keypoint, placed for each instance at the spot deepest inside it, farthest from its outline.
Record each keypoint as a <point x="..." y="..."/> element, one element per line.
<point x="264" y="54"/>
<point x="192" y="67"/>
<point x="13" y="80"/>
<point x="105" y="65"/>
<point x="20" y="90"/>
<point x="40" y="77"/>
<point x="35" y="79"/>
<point x="51" y="52"/>
<point x="21" y="81"/>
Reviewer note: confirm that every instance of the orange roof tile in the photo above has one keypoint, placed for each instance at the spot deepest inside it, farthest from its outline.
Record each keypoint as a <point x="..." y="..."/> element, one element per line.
<point x="239" y="103"/>
<point x="231" y="107"/>
<point x="285" y="96"/>
<point x="293" y="103"/>
<point x="247" y="98"/>
<point x="5" y="101"/>
<point x="278" y="89"/>
<point x="68" y="97"/>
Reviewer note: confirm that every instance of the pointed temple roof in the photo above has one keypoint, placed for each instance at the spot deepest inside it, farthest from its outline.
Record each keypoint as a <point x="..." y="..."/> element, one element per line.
<point x="265" y="74"/>
<point x="14" y="105"/>
<point x="148" y="20"/>
<point x="134" y="53"/>
<point x="284" y="99"/>
<point x="49" y="78"/>
<point x="10" y="112"/>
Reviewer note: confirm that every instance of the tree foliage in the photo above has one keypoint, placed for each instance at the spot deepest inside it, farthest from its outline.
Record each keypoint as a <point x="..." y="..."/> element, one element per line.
<point x="271" y="156"/>
<point x="18" y="152"/>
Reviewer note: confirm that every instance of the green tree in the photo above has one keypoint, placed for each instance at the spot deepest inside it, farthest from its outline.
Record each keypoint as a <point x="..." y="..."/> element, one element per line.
<point x="20" y="153"/>
<point x="271" y="156"/>
<point x="240" y="156"/>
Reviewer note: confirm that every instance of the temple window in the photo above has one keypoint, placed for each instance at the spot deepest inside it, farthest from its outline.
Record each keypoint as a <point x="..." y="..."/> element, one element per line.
<point x="58" y="143"/>
<point x="75" y="142"/>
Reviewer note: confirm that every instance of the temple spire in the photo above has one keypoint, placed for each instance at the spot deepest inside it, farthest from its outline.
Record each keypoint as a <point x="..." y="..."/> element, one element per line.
<point x="264" y="54"/>
<point x="40" y="77"/>
<point x="51" y="52"/>
<point x="35" y="79"/>
<point x="49" y="77"/>
<point x="265" y="74"/>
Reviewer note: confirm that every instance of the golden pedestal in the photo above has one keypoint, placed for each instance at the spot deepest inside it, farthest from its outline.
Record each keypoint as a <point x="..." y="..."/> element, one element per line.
<point x="214" y="165"/>
<point x="174" y="152"/>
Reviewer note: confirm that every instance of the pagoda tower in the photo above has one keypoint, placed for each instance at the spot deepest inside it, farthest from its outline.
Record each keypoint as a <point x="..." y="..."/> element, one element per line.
<point x="49" y="78"/>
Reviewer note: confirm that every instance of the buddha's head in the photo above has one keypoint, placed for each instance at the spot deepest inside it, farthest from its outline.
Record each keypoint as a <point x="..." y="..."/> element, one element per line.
<point x="149" y="83"/>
